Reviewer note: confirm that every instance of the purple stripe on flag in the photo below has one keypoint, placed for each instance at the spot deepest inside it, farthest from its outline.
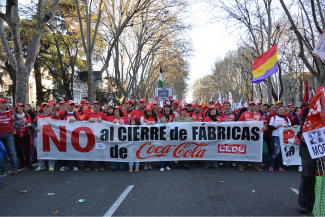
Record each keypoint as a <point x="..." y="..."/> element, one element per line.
<point x="269" y="72"/>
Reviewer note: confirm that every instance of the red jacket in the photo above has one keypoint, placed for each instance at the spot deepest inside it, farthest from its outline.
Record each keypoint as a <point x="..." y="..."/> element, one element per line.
<point x="7" y="121"/>
<point x="249" y="116"/>
<point x="207" y="119"/>
<point x="95" y="116"/>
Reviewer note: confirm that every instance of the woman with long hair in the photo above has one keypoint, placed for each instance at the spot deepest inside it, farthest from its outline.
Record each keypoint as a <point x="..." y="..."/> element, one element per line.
<point x="167" y="110"/>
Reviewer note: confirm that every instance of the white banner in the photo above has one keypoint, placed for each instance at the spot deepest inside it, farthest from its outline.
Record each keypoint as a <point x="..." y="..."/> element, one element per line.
<point x="315" y="141"/>
<point x="290" y="145"/>
<point x="106" y="141"/>
<point x="320" y="47"/>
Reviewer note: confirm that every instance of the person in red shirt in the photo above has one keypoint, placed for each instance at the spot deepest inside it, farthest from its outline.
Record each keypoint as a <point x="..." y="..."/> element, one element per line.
<point x="176" y="109"/>
<point x="52" y="102"/>
<point x="95" y="115"/>
<point x="197" y="115"/>
<point x="219" y="106"/>
<point x="47" y="114"/>
<point x="129" y="108"/>
<point x="71" y="116"/>
<point x="273" y="113"/>
<point x="23" y="138"/>
<point x="139" y="112"/>
<point x="155" y="107"/>
<point x="110" y="113"/>
<point x="63" y="105"/>
<point x="9" y="123"/>
<point x="119" y="116"/>
<point x="227" y="114"/>
<point x="251" y="115"/>
<point x="167" y="110"/>
<point x="150" y="116"/>
<point x="85" y="108"/>
<point x="267" y="135"/>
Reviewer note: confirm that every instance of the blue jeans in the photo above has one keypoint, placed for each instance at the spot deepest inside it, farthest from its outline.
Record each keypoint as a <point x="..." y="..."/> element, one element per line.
<point x="8" y="140"/>
<point x="90" y="164"/>
<point x="276" y="151"/>
<point x="163" y="164"/>
<point x="34" y="153"/>
<point x="211" y="164"/>
<point x="137" y="164"/>
<point x="114" y="165"/>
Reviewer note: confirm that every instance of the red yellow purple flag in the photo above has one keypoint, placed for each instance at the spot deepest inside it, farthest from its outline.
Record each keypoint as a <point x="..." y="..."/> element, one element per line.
<point x="265" y="65"/>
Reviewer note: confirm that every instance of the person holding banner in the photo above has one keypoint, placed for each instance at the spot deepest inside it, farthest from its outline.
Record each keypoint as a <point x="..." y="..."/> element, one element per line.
<point x="47" y="113"/>
<point x="139" y="112"/>
<point x="250" y="115"/>
<point x="135" y="120"/>
<point x="155" y="107"/>
<point x="110" y="113"/>
<point x="176" y="109"/>
<point x="277" y="121"/>
<point x="167" y="110"/>
<point x="183" y="118"/>
<point x="119" y="116"/>
<point x="190" y="108"/>
<point x="129" y="108"/>
<point x="164" y="164"/>
<point x="213" y="116"/>
<point x="219" y="106"/>
<point x="197" y="115"/>
<point x="92" y="117"/>
<point x="227" y="114"/>
<point x="71" y="116"/>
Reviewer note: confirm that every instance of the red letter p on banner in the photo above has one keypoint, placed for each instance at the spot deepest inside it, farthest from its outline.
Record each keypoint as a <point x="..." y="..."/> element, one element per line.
<point x="48" y="132"/>
<point x="287" y="134"/>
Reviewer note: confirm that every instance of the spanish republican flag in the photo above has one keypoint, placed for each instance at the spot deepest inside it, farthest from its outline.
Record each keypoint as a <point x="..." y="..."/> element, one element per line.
<point x="265" y="65"/>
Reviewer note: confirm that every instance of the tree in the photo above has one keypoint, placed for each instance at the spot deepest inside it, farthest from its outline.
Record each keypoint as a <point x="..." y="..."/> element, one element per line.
<point x="23" y="68"/>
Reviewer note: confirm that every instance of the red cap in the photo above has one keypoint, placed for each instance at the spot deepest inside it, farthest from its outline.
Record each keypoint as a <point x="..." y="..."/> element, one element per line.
<point x="185" y="104"/>
<point x="154" y="103"/>
<point x="290" y="104"/>
<point x="142" y="100"/>
<point x="69" y="102"/>
<point x="61" y="102"/>
<point x="136" y="118"/>
<point x="205" y="107"/>
<point x="130" y="101"/>
<point x="251" y="103"/>
<point x="118" y="107"/>
<point x="259" y="103"/>
<point x="211" y="101"/>
<point x="218" y="104"/>
<point x="183" y="108"/>
<point x="19" y="104"/>
<point x="197" y="104"/>
<point x="167" y="104"/>
<point x="78" y="105"/>
<point x="123" y="105"/>
<point x="226" y="101"/>
<point x="83" y="101"/>
<point x="95" y="103"/>
<point x="45" y="103"/>
<point x="213" y="107"/>
<point x="175" y="101"/>
<point x="52" y="100"/>
<point x="149" y="107"/>
<point x="2" y="100"/>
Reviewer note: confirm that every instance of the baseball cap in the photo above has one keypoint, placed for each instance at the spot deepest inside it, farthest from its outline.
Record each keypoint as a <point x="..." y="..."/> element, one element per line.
<point x="2" y="100"/>
<point x="45" y="103"/>
<point x="69" y="102"/>
<point x="136" y="118"/>
<point x="251" y="103"/>
<point x="154" y="103"/>
<point x="19" y="104"/>
<point x="61" y="102"/>
<point x="218" y="104"/>
<point x="213" y="107"/>
<point x="205" y="107"/>
<point x="95" y="103"/>
<point x="183" y="108"/>
<point x="149" y="107"/>
<point x="130" y="101"/>
<point x="290" y="104"/>
<point x="211" y="101"/>
<point x="175" y="101"/>
<point x="118" y="107"/>
<point x="167" y="104"/>
<point x="197" y="104"/>
<point x="52" y="100"/>
<point x="226" y="101"/>
<point x="142" y="100"/>
<point x="78" y="105"/>
<point x="259" y="103"/>
<point x="83" y="101"/>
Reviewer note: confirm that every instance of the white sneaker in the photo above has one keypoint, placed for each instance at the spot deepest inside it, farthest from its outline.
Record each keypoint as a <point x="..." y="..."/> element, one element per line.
<point x="75" y="169"/>
<point x="39" y="169"/>
<point x="220" y="164"/>
<point x="167" y="168"/>
<point x="249" y="165"/>
<point x="234" y="164"/>
<point x="162" y="170"/>
<point x="64" y="168"/>
<point x="300" y="169"/>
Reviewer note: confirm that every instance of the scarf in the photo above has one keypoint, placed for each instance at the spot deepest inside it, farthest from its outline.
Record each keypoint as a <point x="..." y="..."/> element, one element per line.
<point x="213" y="117"/>
<point x="284" y="117"/>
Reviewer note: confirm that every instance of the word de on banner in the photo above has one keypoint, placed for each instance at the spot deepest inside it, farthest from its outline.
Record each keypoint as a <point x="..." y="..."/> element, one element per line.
<point x="106" y="141"/>
<point x="314" y="127"/>
<point x="290" y="146"/>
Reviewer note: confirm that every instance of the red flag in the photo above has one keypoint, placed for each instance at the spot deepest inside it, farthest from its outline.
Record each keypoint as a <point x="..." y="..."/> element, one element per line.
<point x="306" y="98"/>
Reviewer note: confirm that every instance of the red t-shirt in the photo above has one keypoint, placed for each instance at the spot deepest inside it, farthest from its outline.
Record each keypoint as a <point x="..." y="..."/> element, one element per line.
<point x="110" y="118"/>
<point x="127" y="115"/>
<point x="228" y="116"/>
<point x="207" y="119"/>
<point x="177" y="112"/>
<point x="197" y="117"/>
<point x="137" y="112"/>
<point x="249" y="116"/>
<point x="118" y="120"/>
<point x="171" y="117"/>
<point x="150" y="119"/>
<point x="7" y="122"/>
<point x="61" y="113"/>
<point x="95" y="116"/>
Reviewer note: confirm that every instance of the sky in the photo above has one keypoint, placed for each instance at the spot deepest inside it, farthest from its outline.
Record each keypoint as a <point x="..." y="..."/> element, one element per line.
<point x="211" y="40"/>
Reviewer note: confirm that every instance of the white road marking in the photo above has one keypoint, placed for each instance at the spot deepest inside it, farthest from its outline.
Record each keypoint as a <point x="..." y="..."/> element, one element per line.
<point x="118" y="202"/>
<point x="19" y="170"/>
<point x="295" y="190"/>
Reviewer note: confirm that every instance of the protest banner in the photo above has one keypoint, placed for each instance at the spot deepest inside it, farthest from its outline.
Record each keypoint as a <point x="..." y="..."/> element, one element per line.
<point x="314" y="127"/>
<point x="290" y="146"/>
<point x="106" y="141"/>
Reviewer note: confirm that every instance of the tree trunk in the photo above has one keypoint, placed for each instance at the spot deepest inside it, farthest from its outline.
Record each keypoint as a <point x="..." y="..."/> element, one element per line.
<point x="12" y="74"/>
<point x="38" y="83"/>
<point x="22" y="85"/>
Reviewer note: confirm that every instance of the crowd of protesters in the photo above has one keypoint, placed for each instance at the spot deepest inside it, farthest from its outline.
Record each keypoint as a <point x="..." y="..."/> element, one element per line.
<point x="18" y="128"/>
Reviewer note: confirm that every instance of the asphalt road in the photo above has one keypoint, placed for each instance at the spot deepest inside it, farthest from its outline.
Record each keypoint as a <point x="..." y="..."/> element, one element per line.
<point x="195" y="192"/>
